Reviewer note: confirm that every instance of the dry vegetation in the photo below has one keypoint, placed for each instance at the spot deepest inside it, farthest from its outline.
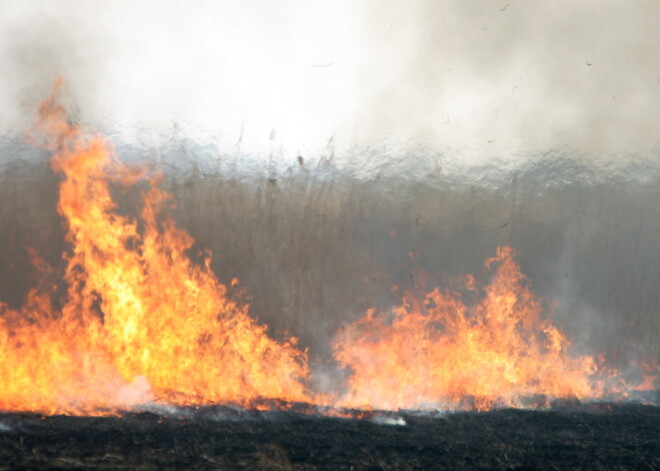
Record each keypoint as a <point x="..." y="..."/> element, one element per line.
<point x="314" y="248"/>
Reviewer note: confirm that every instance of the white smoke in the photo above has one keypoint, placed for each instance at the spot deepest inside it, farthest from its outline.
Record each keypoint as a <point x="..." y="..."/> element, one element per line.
<point x="482" y="80"/>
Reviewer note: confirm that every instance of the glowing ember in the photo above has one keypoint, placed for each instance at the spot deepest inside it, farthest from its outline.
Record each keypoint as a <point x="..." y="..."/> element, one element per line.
<point x="441" y="351"/>
<point x="140" y="321"/>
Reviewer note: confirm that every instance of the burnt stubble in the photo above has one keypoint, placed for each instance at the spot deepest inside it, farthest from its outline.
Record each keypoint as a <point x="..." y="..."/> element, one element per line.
<point x="573" y="436"/>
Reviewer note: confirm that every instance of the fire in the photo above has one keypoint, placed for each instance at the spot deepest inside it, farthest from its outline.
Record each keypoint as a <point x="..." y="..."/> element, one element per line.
<point x="140" y="321"/>
<point x="441" y="350"/>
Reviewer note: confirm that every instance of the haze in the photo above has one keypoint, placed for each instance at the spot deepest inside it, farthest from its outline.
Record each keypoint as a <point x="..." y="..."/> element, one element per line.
<point x="477" y="79"/>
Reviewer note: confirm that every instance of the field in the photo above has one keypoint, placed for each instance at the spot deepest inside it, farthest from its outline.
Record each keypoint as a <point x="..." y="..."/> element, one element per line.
<point x="596" y="437"/>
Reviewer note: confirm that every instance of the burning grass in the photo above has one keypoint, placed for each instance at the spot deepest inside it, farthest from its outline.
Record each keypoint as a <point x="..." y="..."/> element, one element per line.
<point x="140" y="317"/>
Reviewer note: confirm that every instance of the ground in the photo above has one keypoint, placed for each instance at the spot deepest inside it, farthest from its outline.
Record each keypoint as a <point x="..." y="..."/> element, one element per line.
<point x="595" y="437"/>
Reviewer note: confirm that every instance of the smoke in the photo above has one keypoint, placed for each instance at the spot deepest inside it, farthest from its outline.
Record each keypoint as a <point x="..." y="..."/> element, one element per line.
<point x="508" y="78"/>
<point x="477" y="80"/>
<point x="41" y="42"/>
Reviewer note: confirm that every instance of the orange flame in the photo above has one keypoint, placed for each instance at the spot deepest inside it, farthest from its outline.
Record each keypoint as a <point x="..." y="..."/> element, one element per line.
<point x="437" y="351"/>
<point x="140" y="322"/>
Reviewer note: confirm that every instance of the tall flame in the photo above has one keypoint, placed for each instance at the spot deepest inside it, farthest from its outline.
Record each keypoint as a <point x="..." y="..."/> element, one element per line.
<point x="140" y="321"/>
<point x="443" y="351"/>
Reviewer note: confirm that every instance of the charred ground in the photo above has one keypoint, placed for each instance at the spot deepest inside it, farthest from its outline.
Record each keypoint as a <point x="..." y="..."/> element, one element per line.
<point x="597" y="437"/>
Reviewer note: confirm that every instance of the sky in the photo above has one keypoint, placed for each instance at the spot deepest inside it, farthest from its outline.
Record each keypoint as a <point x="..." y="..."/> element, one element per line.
<point x="474" y="79"/>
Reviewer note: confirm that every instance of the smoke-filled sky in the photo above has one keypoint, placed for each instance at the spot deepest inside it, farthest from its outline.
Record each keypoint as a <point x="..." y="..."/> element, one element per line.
<point x="482" y="79"/>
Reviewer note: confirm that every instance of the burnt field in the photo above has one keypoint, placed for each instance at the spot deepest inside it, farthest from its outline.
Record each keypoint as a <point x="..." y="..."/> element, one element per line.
<point x="595" y="436"/>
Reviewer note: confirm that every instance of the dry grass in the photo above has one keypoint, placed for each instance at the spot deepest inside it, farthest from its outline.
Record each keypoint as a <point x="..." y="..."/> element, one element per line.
<point x="314" y="253"/>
